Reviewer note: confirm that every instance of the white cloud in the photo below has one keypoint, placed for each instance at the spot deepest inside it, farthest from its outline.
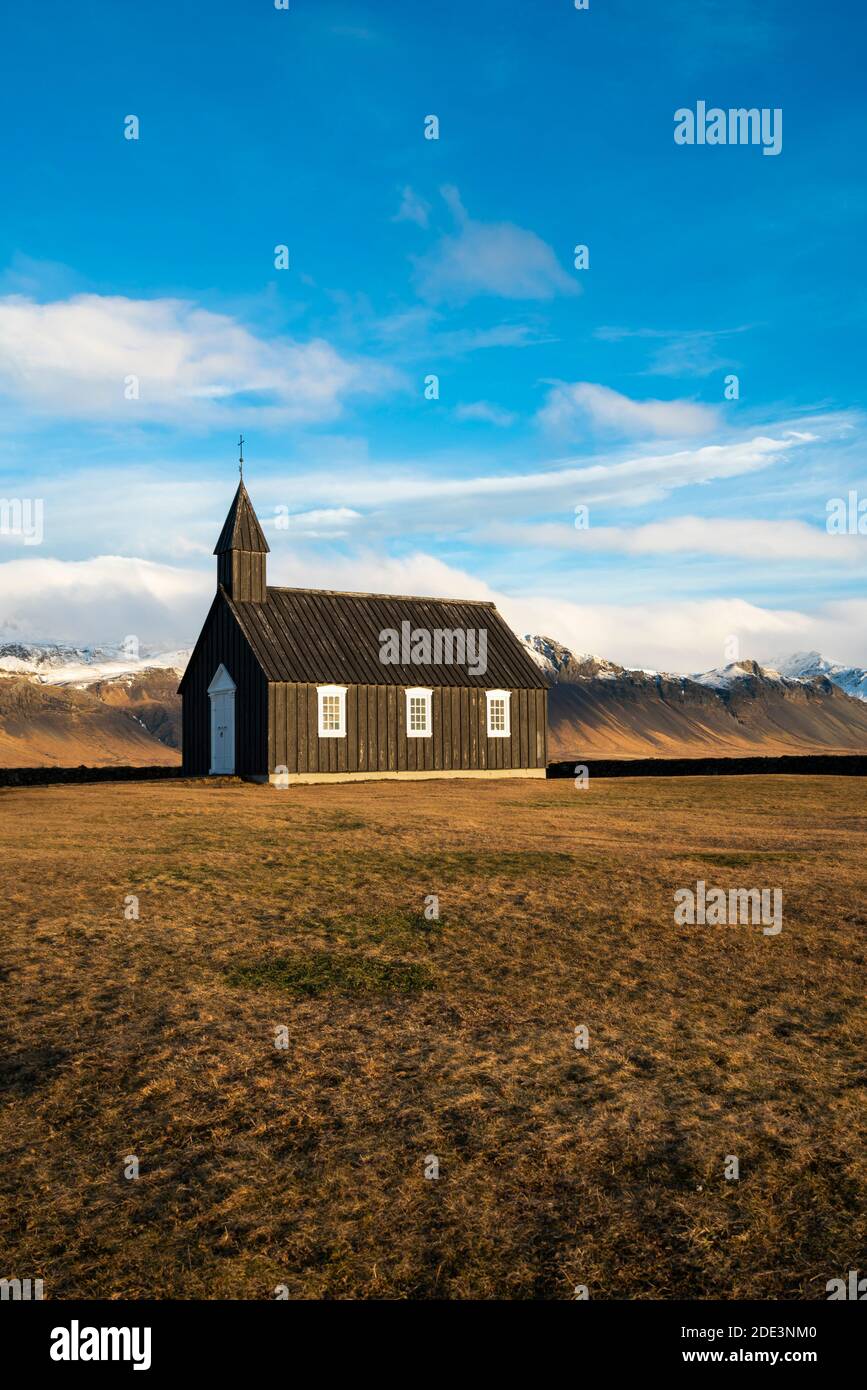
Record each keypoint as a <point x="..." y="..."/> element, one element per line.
<point x="323" y="523"/>
<point x="693" y="636"/>
<point x="570" y="406"/>
<point x="489" y="258"/>
<point x="109" y="597"/>
<point x="486" y="412"/>
<point x="73" y="358"/>
<point x="756" y="540"/>
<point x="368" y="571"/>
<point x="102" y="600"/>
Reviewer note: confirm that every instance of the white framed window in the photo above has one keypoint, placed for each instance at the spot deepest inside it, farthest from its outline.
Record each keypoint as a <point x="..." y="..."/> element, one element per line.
<point x="419" y="723"/>
<point x="499" y="713"/>
<point x="332" y="710"/>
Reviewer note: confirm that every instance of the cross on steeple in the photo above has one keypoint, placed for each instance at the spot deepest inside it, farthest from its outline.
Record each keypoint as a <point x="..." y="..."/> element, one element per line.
<point x="241" y="455"/>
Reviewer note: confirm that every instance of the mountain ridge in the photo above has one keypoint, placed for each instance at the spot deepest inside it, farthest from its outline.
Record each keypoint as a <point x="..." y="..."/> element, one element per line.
<point x="63" y="704"/>
<point x="601" y="709"/>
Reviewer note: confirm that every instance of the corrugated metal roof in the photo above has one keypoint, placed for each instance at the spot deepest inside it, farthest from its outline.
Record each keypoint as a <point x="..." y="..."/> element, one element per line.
<point x="241" y="529"/>
<point x="320" y="635"/>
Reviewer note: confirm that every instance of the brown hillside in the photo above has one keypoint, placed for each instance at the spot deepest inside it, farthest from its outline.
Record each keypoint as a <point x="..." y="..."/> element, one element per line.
<point x="58" y="726"/>
<point x="151" y="697"/>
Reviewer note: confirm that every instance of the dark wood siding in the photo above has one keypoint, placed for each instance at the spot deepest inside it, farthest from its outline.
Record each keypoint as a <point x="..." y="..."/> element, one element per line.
<point x="223" y="641"/>
<point x="376" y="738"/>
<point x="242" y="574"/>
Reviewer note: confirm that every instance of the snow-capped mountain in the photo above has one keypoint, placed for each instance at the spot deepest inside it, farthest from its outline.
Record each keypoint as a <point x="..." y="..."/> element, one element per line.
<point x="59" y="663"/>
<point x="559" y="662"/>
<point x="597" y="708"/>
<point x="545" y="652"/>
<point x="724" y="677"/>
<point x="806" y="665"/>
<point x="63" y="705"/>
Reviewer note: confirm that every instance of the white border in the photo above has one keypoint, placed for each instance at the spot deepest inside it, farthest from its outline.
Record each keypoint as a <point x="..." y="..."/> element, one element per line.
<point x="427" y="695"/>
<point x="499" y="695"/>
<point x="331" y="690"/>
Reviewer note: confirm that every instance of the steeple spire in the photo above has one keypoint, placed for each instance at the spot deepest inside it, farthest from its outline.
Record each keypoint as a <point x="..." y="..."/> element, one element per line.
<point x="241" y="549"/>
<point x="241" y="456"/>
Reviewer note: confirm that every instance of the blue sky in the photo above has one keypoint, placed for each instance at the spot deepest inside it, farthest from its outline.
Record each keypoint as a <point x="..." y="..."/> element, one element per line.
<point x="154" y="259"/>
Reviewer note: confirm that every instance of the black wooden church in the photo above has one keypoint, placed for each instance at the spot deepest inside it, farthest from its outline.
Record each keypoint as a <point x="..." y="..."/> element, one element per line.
<point x="309" y="685"/>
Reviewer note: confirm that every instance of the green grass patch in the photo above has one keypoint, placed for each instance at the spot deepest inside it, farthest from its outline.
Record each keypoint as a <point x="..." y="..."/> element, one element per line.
<point x="401" y="928"/>
<point x="320" y="972"/>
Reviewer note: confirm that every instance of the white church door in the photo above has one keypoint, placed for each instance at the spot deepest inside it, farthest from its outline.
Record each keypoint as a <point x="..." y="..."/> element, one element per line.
<point x="221" y="693"/>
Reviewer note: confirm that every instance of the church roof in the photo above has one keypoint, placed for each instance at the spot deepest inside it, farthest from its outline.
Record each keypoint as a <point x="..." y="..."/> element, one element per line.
<point x="321" y="636"/>
<point x="241" y="529"/>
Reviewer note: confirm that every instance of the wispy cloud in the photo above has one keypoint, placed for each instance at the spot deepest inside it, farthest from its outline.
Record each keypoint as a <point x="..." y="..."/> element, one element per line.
<point x="571" y="406"/>
<point x="421" y="330"/>
<point x="486" y="412"/>
<point x="323" y="523"/>
<point x="501" y="335"/>
<point x="630" y="481"/>
<point x="489" y="258"/>
<point x="161" y="515"/>
<point x="690" y="352"/>
<point x="412" y="208"/>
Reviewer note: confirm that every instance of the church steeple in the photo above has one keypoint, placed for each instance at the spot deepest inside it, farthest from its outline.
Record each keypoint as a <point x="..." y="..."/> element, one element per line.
<point x="241" y="552"/>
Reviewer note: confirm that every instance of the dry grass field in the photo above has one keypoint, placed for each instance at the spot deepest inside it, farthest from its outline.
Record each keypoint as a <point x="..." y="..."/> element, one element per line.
<point x="305" y="1166"/>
